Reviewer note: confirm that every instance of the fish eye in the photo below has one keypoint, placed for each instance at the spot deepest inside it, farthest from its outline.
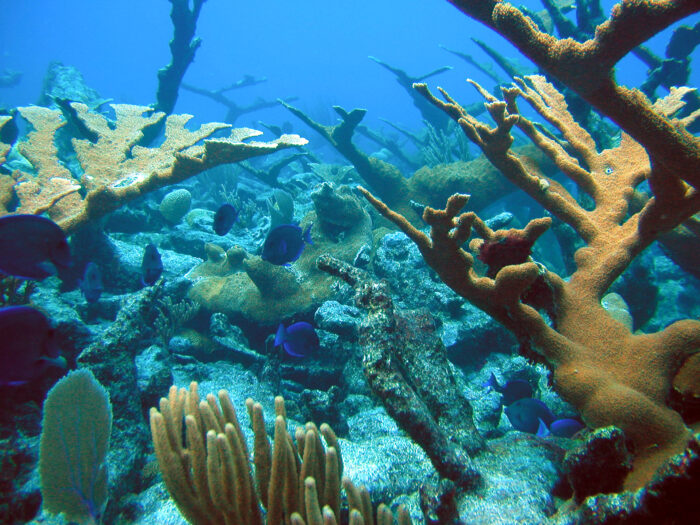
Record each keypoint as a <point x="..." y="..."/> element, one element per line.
<point x="609" y="170"/>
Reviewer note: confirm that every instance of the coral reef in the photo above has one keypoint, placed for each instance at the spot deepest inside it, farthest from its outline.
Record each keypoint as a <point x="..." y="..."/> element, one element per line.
<point x="422" y="314"/>
<point x="175" y="205"/>
<point x="604" y="386"/>
<point x="265" y="293"/>
<point x="114" y="167"/>
<point x="407" y="367"/>
<point x="612" y="376"/>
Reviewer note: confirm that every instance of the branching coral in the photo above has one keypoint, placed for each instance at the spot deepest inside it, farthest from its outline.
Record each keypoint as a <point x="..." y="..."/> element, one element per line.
<point x="587" y="68"/>
<point x="115" y="168"/>
<point x="612" y="376"/>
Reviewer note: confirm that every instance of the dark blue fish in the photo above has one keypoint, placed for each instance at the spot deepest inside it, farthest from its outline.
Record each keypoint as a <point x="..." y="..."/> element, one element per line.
<point x="525" y="414"/>
<point x="565" y="427"/>
<point x="285" y="243"/>
<point x="298" y="339"/>
<point x="32" y="246"/>
<point x="91" y="283"/>
<point x="224" y="218"/>
<point x="151" y="265"/>
<point x="27" y="345"/>
<point x="512" y="391"/>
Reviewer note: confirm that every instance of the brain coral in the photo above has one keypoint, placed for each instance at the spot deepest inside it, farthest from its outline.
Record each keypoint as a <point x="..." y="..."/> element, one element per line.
<point x="175" y="205"/>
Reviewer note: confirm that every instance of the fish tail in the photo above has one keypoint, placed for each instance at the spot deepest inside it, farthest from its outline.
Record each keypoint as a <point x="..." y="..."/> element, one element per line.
<point x="307" y="234"/>
<point x="280" y="335"/>
<point x="493" y="383"/>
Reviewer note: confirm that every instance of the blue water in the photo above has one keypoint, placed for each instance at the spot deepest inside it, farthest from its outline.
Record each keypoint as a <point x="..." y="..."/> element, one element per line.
<point x="315" y="50"/>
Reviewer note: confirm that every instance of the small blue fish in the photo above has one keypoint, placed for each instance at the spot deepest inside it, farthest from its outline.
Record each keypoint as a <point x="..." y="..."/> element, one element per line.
<point x="565" y="427"/>
<point x="298" y="339"/>
<point x="91" y="283"/>
<point x="27" y="345"/>
<point x="224" y="218"/>
<point x="285" y="243"/>
<point x="32" y="246"/>
<point x="151" y="265"/>
<point x="525" y="414"/>
<point x="512" y="391"/>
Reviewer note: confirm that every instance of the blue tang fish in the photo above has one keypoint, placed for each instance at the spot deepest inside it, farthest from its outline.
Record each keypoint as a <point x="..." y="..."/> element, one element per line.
<point x="565" y="427"/>
<point x="151" y="265"/>
<point x="298" y="339"/>
<point x="91" y="283"/>
<point x="224" y="218"/>
<point x="512" y="391"/>
<point x="525" y="414"/>
<point x="32" y="246"/>
<point x="27" y="345"/>
<point x="285" y="243"/>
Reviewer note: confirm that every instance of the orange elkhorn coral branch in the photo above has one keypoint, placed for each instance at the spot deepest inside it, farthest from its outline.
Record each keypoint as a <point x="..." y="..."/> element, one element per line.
<point x="587" y="68"/>
<point x="613" y="377"/>
<point x="115" y="168"/>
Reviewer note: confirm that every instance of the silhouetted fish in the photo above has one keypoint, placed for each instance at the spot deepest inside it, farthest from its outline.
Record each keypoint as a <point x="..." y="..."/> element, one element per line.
<point x="27" y="345"/>
<point x="224" y="218"/>
<point x="285" y="243"/>
<point x="298" y="339"/>
<point x="31" y="245"/>
<point x="526" y="413"/>
<point x="91" y="283"/>
<point x="512" y="391"/>
<point x="151" y="265"/>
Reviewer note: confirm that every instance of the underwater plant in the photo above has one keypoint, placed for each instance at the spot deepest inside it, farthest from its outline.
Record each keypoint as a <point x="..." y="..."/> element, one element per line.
<point x="76" y="428"/>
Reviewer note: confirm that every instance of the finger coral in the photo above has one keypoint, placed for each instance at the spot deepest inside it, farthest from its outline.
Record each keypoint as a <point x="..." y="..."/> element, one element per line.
<point x="297" y="480"/>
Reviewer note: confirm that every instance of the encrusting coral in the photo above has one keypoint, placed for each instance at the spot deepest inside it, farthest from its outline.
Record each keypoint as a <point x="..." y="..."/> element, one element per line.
<point x="613" y="377"/>
<point x="115" y="167"/>
<point x="210" y="478"/>
<point x="265" y="293"/>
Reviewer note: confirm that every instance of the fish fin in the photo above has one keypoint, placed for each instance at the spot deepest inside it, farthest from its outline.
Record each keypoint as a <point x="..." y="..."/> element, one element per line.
<point x="59" y="361"/>
<point x="542" y="430"/>
<point x="307" y="234"/>
<point x="48" y="267"/>
<point x="14" y="383"/>
<point x="279" y="336"/>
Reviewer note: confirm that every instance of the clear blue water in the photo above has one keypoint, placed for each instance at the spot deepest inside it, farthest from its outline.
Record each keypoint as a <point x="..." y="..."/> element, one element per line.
<point x="315" y="50"/>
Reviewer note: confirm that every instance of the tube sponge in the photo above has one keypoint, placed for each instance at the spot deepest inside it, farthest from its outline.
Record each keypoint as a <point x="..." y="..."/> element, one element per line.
<point x="76" y="426"/>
